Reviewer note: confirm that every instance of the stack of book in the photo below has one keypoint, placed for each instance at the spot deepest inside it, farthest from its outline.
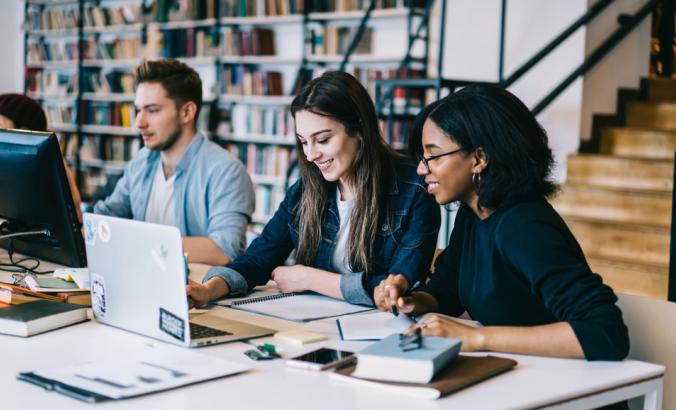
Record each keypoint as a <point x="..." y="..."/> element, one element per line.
<point x="239" y="79"/>
<point x="255" y="42"/>
<point x="98" y="16"/>
<point x="244" y="8"/>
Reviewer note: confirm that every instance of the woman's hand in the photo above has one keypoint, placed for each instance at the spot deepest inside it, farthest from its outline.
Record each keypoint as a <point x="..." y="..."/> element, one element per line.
<point x="296" y="278"/>
<point x="390" y="292"/>
<point x="437" y="325"/>
<point x="200" y="294"/>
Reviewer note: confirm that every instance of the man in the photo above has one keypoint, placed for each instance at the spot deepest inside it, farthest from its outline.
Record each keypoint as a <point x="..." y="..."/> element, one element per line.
<point x="180" y="178"/>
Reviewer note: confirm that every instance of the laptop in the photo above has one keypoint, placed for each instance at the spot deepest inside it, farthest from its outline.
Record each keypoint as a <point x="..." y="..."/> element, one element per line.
<point x="138" y="277"/>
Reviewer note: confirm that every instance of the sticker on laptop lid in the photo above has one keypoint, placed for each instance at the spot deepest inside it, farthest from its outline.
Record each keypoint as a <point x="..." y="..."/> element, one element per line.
<point x="90" y="232"/>
<point x="160" y="257"/>
<point x="98" y="289"/>
<point x="104" y="231"/>
<point x="172" y="325"/>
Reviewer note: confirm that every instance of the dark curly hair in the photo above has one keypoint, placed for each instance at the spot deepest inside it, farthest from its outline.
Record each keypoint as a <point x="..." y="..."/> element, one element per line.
<point x="492" y="119"/>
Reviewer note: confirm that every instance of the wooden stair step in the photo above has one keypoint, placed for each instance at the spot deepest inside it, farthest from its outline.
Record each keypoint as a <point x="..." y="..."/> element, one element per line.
<point x="632" y="278"/>
<point x="662" y="89"/>
<point x="640" y="207"/>
<point x="652" y="114"/>
<point x="638" y="142"/>
<point x="622" y="242"/>
<point x="619" y="172"/>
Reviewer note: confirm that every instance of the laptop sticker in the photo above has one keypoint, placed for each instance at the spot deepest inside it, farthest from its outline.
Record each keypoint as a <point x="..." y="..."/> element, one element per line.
<point x="104" y="231"/>
<point x="172" y="325"/>
<point x="98" y="287"/>
<point x="90" y="232"/>
<point x="160" y="256"/>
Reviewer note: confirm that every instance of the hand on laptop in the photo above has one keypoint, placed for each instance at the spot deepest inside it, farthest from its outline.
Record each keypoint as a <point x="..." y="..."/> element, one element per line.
<point x="201" y="294"/>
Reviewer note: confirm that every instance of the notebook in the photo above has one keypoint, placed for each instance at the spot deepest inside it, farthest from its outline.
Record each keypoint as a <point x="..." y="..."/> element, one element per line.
<point x="120" y="374"/>
<point x="387" y="360"/>
<point x="298" y="307"/>
<point x="372" y="325"/>
<point x="379" y="325"/>
<point x="463" y="372"/>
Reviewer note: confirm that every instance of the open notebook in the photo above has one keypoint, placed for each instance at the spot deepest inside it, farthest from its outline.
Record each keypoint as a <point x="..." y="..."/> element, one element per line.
<point x="299" y="307"/>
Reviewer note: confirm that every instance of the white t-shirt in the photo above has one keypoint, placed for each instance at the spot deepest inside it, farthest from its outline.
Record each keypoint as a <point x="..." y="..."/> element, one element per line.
<point x="339" y="258"/>
<point x="161" y="205"/>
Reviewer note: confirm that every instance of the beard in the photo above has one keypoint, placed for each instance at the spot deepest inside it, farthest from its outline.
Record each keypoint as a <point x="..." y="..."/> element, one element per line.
<point x="169" y="142"/>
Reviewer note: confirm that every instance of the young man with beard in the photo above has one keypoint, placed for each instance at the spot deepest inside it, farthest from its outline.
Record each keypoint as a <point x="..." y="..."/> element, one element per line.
<point x="180" y="178"/>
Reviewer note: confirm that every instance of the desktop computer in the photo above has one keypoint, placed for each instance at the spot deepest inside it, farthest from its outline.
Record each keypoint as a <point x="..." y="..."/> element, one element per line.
<point x="37" y="214"/>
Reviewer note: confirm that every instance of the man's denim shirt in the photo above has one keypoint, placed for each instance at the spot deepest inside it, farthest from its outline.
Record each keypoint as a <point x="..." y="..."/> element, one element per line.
<point x="213" y="193"/>
<point x="405" y="244"/>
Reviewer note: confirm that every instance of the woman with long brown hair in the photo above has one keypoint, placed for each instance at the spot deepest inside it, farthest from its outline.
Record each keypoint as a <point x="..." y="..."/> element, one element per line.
<point x="358" y="212"/>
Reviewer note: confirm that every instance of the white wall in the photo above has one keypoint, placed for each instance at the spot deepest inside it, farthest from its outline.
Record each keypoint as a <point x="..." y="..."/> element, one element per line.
<point x="11" y="46"/>
<point x="622" y="67"/>
<point x="471" y="52"/>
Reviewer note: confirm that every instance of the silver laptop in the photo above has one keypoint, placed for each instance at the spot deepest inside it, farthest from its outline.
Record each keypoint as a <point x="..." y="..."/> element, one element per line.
<point x="138" y="277"/>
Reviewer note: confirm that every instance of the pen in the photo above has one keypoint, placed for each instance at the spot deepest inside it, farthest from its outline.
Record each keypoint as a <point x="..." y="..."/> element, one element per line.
<point x="393" y="308"/>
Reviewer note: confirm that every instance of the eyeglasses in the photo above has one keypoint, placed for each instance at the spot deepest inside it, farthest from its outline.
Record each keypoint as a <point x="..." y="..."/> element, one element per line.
<point x="426" y="160"/>
<point x="411" y="341"/>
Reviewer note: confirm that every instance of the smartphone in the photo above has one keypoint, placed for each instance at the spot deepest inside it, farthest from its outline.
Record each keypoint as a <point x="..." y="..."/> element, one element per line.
<point x="321" y="359"/>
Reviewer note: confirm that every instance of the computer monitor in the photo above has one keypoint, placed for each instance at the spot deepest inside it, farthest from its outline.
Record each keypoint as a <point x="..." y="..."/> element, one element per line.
<point x="35" y="195"/>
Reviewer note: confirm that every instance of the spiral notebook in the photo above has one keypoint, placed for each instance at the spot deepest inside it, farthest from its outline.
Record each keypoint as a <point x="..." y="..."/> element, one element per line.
<point x="298" y="307"/>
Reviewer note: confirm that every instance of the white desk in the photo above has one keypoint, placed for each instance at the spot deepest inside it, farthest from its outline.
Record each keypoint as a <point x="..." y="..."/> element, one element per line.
<point x="535" y="382"/>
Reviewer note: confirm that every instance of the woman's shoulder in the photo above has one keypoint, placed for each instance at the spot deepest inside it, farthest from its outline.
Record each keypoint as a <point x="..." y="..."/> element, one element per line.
<point x="528" y="215"/>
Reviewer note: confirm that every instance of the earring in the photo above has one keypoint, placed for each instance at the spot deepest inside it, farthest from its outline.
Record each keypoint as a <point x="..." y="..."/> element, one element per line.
<point x="476" y="180"/>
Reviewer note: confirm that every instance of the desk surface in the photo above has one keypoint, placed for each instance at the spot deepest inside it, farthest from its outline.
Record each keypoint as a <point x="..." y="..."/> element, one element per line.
<point x="535" y="382"/>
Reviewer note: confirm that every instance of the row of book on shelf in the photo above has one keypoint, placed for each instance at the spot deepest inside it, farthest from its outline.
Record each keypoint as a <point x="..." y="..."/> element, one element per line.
<point x="104" y="15"/>
<point x="66" y="50"/>
<point x="194" y="42"/>
<point x="64" y="18"/>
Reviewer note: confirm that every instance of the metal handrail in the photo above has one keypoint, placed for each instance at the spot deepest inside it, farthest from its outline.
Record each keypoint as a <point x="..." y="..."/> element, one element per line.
<point x="593" y="11"/>
<point x="601" y="51"/>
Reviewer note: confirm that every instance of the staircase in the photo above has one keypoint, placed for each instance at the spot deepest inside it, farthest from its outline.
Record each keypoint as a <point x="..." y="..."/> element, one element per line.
<point x="618" y="202"/>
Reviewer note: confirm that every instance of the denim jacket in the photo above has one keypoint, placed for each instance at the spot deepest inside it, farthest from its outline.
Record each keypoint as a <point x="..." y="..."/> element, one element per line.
<point x="213" y="193"/>
<point x="405" y="244"/>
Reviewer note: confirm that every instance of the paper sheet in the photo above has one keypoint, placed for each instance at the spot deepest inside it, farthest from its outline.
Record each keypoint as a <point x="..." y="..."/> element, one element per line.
<point x="145" y="371"/>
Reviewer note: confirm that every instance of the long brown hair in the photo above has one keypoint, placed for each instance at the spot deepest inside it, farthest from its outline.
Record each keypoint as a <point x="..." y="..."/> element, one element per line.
<point x="341" y="97"/>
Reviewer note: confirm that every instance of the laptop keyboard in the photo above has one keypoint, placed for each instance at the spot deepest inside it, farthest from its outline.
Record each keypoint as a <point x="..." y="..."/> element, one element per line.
<point x="200" y="332"/>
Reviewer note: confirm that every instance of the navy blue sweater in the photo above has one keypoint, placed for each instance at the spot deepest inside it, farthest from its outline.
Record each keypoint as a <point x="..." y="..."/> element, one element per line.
<point x="522" y="266"/>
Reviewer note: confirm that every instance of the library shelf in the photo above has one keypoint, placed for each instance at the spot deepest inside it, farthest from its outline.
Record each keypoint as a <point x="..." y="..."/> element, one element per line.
<point x="261" y="20"/>
<point x="253" y="138"/>
<point x="256" y="99"/>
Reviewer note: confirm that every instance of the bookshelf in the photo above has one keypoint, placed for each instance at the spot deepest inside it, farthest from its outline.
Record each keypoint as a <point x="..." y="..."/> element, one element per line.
<point x="79" y="56"/>
<point x="252" y="57"/>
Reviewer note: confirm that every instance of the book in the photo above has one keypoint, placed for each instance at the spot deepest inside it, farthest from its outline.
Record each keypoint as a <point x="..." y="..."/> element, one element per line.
<point x="378" y="325"/>
<point x="13" y="294"/>
<point x="387" y="360"/>
<point x="298" y="307"/>
<point x="76" y="298"/>
<point x="50" y="284"/>
<point x="300" y="337"/>
<point x="372" y="326"/>
<point x="30" y="318"/>
<point x="463" y="372"/>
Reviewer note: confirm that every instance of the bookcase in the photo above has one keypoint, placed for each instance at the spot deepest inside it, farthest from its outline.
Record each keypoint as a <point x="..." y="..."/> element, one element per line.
<point x="79" y="57"/>
<point x="252" y="56"/>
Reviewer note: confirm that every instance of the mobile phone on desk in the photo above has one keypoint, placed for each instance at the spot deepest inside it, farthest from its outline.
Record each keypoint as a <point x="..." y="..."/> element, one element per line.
<point x="321" y="359"/>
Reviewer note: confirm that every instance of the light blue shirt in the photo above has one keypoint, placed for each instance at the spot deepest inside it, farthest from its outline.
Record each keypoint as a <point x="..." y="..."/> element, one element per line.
<point x="213" y="193"/>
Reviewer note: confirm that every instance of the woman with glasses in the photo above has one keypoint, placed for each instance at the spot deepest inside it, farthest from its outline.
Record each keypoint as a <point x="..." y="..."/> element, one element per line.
<point x="358" y="212"/>
<point x="512" y="263"/>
